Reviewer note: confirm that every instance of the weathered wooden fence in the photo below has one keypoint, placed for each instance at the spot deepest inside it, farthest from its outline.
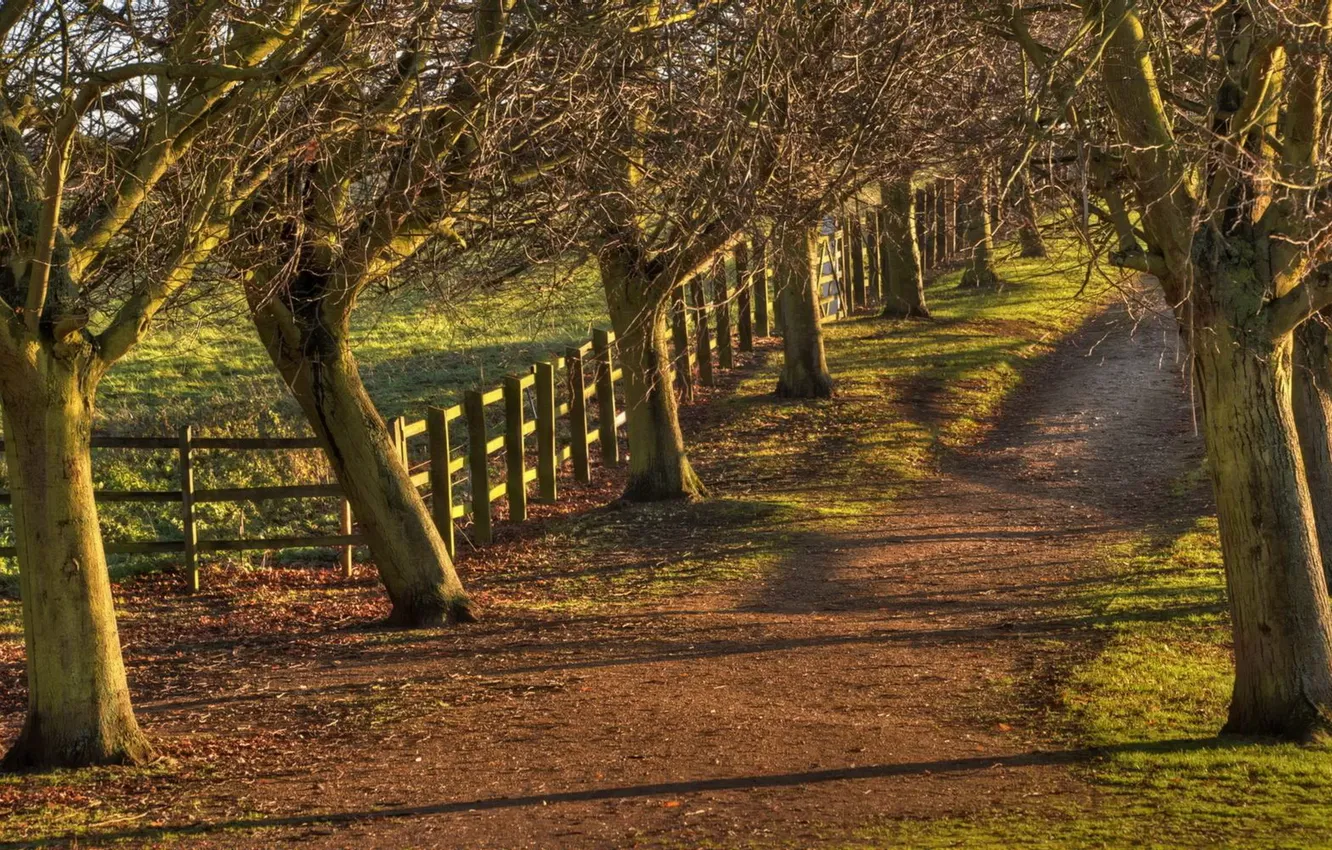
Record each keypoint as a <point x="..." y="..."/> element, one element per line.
<point x="496" y="425"/>
<point x="497" y="443"/>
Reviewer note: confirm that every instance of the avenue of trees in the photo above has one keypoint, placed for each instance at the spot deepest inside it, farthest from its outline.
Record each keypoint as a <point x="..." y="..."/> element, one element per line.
<point x="300" y="152"/>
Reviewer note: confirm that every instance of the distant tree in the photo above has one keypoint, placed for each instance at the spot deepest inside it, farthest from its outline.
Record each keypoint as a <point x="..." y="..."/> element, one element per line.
<point x="798" y="267"/>
<point x="978" y="232"/>
<point x="672" y="173"/>
<point x="854" y="108"/>
<point x="899" y="252"/>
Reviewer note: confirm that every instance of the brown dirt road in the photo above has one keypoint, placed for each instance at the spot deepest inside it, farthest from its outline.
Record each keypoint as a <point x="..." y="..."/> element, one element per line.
<point x="896" y="670"/>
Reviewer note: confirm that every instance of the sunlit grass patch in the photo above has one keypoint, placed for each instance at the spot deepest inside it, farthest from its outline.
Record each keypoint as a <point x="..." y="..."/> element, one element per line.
<point x="906" y="391"/>
<point x="75" y="802"/>
<point x="1145" y="712"/>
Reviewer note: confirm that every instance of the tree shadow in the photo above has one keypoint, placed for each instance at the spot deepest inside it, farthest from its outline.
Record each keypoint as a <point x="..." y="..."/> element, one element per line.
<point x="1061" y="758"/>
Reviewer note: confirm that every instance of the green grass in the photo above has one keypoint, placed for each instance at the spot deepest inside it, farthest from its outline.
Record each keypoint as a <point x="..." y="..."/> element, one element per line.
<point x="872" y="438"/>
<point x="206" y="368"/>
<point x="1148" y="708"/>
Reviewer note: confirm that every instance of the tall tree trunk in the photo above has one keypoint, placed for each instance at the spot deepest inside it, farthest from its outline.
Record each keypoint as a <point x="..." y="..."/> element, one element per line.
<point x="1029" y="230"/>
<point x="311" y="348"/>
<point x="899" y="255"/>
<point x="979" y="234"/>
<point x="659" y="466"/>
<point x="1280" y="616"/>
<point x="79" y="710"/>
<point x="1311" y="400"/>
<point x="798" y="269"/>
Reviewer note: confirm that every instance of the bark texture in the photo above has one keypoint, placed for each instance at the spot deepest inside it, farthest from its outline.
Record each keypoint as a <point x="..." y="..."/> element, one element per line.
<point x="1311" y="400"/>
<point x="899" y="255"/>
<point x="1029" y="231"/>
<point x="79" y="710"/>
<point x="1281" y="621"/>
<point x="659" y="467"/>
<point x="307" y="336"/>
<point x="979" y="235"/>
<point x="797" y="267"/>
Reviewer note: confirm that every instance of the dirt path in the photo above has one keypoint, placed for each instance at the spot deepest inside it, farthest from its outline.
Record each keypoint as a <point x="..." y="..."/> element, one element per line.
<point x="881" y="673"/>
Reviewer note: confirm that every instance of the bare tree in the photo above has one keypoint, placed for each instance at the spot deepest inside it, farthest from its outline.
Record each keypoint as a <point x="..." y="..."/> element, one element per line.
<point x="127" y="140"/>
<point x="1218" y="118"/>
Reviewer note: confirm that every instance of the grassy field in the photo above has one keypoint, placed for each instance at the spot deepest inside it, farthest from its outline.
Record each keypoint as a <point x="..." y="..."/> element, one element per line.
<point x="206" y="368"/>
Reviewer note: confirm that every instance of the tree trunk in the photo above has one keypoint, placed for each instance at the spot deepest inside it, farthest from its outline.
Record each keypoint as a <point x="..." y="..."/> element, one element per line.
<point x="659" y="466"/>
<point x="1278" y="597"/>
<point x="681" y="366"/>
<point x="311" y="349"/>
<point x="1029" y="233"/>
<point x="798" y="271"/>
<point x="1119" y="217"/>
<point x="924" y="236"/>
<point x="856" y="244"/>
<point x="979" y="235"/>
<point x="79" y="710"/>
<point x="1311" y="400"/>
<point x="899" y="255"/>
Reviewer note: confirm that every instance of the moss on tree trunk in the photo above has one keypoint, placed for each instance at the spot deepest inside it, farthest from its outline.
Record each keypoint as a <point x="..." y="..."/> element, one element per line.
<point x="79" y="710"/>
<point x="659" y="467"/>
<point x="798" y="267"/>
<point x="899" y="254"/>
<point x="1280" y="616"/>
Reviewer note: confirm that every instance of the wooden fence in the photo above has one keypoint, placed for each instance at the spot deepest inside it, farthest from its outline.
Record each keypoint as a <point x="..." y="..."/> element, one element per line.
<point x="536" y="422"/>
<point x="591" y="379"/>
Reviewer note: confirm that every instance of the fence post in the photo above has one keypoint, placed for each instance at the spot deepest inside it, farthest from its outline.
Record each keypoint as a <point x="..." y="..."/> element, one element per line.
<point x="759" y="289"/>
<point x="478" y="468"/>
<point x="931" y="201"/>
<point x="940" y="223"/>
<point x="744" y="281"/>
<point x="702" y="334"/>
<point x="856" y="245"/>
<point x="923" y="227"/>
<point x="610" y="440"/>
<point x="573" y="364"/>
<point x="921" y="233"/>
<point x="441" y="480"/>
<point x="547" y="465"/>
<point x="950" y="218"/>
<point x="869" y="244"/>
<point x="684" y="369"/>
<point x="345" y="527"/>
<point x="721" y="301"/>
<point x="514" y="459"/>
<point x="396" y="425"/>
<point x="841" y="243"/>
<point x="189" y="533"/>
